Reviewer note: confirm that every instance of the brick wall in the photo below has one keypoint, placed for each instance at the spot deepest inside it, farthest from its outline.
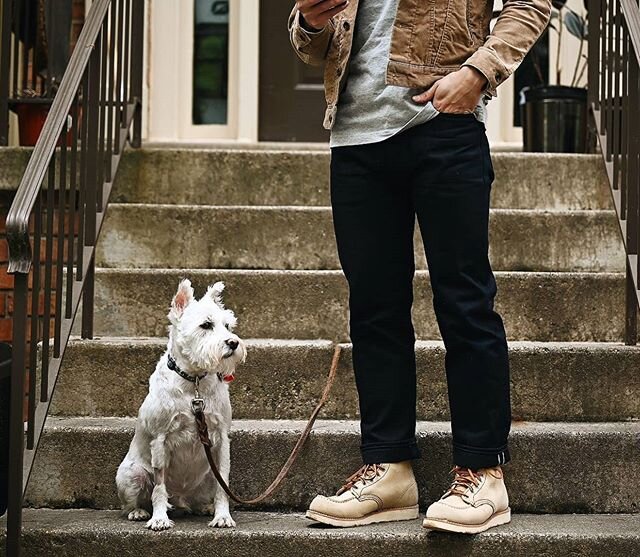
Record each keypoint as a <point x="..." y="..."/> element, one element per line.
<point x="6" y="280"/>
<point x="77" y="20"/>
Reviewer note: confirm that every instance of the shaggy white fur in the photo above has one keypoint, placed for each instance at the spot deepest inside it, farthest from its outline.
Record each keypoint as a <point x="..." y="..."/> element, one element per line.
<point x="166" y="465"/>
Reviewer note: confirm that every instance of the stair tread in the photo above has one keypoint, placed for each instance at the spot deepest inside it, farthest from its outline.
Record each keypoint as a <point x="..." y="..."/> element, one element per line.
<point x="60" y="533"/>
<point x="331" y="272"/>
<point x="70" y="521"/>
<point x="173" y="207"/>
<point x="276" y="342"/>
<point x="340" y="427"/>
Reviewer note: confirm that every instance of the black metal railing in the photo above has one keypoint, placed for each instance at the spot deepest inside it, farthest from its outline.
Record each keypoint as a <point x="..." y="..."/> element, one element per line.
<point x="614" y="94"/>
<point x="57" y="213"/>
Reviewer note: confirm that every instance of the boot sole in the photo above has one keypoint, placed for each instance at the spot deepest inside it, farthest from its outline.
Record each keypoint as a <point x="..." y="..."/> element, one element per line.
<point x="498" y="519"/>
<point x="387" y="515"/>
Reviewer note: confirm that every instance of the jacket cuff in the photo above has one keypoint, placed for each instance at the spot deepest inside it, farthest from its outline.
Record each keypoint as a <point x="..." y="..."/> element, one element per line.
<point x="488" y="64"/>
<point x="301" y="37"/>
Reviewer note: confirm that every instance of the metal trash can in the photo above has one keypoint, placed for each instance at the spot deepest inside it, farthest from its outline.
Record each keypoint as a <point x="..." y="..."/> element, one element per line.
<point x="554" y="119"/>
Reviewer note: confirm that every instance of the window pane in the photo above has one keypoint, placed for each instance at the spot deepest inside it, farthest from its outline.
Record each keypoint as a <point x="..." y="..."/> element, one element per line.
<point x="210" y="61"/>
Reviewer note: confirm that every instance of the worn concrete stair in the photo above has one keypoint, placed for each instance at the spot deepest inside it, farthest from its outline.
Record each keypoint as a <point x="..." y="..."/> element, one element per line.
<point x="550" y="381"/>
<point x="71" y="533"/>
<point x="301" y="177"/>
<point x="308" y="304"/>
<point x="276" y="237"/>
<point x="258" y="219"/>
<point x="77" y="462"/>
<point x="291" y="176"/>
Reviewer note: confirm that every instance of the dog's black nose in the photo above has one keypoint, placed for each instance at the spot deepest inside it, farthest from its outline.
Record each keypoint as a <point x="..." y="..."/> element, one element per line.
<point x="231" y="343"/>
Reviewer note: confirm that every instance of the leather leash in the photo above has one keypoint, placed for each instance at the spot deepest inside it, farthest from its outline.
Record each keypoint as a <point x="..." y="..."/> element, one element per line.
<point x="203" y="433"/>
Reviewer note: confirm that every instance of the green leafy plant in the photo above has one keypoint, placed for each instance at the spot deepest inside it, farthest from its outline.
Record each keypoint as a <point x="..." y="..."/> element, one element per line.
<point x="564" y="19"/>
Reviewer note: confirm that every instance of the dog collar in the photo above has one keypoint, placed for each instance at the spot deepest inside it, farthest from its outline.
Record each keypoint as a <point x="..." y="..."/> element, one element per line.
<point x="172" y="365"/>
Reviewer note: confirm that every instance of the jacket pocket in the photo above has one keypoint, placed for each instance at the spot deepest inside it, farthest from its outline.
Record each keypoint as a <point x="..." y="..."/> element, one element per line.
<point x="452" y="24"/>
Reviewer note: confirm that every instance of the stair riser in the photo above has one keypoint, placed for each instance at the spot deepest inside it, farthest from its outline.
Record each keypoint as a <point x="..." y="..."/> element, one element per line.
<point x="281" y="381"/>
<point x="281" y="238"/>
<point x="236" y="177"/>
<point x="580" y="307"/>
<point x="269" y="536"/>
<point x="550" y="471"/>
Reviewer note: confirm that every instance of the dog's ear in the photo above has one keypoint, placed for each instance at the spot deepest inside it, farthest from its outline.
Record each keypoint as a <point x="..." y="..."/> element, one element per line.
<point x="181" y="300"/>
<point x="215" y="291"/>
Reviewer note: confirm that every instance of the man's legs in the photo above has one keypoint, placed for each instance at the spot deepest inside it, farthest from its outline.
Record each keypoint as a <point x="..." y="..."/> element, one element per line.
<point x="451" y="189"/>
<point x="374" y="222"/>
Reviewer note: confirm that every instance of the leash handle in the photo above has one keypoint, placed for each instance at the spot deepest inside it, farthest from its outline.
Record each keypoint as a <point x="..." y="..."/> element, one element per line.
<point x="203" y="434"/>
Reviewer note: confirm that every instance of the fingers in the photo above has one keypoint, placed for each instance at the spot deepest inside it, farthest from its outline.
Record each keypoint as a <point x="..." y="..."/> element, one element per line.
<point x="318" y="12"/>
<point x="426" y="96"/>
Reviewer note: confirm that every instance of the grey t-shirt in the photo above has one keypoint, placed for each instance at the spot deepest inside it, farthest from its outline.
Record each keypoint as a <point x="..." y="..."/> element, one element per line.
<point x="369" y="110"/>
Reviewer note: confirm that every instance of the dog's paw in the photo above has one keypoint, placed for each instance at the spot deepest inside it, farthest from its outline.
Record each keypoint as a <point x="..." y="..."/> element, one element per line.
<point x="138" y="514"/>
<point x="160" y="523"/>
<point x="222" y="521"/>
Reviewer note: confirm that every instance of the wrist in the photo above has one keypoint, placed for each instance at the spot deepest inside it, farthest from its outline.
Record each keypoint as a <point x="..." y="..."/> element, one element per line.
<point x="477" y="78"/>
<point x="307" y="27"/>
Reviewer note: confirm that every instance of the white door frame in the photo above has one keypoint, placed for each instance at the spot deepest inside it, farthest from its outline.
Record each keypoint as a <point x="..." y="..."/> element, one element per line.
<point x="170" y="74"/>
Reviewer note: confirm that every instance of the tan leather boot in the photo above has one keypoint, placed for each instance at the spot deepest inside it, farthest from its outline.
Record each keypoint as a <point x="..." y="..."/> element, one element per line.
<point x="375" y="493"/>
<point x="475" y="502"/>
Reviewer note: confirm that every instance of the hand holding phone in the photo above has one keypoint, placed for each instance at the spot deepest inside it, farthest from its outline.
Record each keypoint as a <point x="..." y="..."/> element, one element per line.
<point x="317" y="13"/>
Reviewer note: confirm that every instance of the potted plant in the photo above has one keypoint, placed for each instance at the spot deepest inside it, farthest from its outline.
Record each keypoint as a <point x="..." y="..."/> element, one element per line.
<point x="554" y="117"/>
<point x="43" y="27"/>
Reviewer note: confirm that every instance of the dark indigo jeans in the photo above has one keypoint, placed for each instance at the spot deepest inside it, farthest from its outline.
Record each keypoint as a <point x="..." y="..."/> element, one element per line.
<point x="440" y="171"/>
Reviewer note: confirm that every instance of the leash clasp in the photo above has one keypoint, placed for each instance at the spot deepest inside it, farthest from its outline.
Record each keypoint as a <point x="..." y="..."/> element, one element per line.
<point x="197" y="405"/>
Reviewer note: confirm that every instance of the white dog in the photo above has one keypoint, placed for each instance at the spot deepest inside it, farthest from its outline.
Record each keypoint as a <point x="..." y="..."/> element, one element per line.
<point x="166" y="465"/>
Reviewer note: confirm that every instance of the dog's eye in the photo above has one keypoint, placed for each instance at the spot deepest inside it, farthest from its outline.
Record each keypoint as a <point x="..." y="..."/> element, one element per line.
<point x="207" y="325"/>
<point x="226" y="326"/>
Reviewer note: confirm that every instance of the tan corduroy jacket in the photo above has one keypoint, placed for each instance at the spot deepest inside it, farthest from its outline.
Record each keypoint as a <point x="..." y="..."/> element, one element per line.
<point x="430" y="39"/>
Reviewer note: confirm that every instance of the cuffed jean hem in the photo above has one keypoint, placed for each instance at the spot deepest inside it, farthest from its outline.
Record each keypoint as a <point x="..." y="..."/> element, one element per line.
<point x="391" y="453"/>
<point x="475" y="459"/>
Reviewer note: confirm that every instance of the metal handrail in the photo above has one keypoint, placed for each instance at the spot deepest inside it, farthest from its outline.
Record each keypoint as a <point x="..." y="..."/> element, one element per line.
<point x="614" y="94"/>
<point x="38" y="165"/>
<point x="56" y="216"/>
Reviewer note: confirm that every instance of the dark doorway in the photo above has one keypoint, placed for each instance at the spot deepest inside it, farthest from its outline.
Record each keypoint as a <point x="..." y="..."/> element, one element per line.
<point x="291" y="106"/>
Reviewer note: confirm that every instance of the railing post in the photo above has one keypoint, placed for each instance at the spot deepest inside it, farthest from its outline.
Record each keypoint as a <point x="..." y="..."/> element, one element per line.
<point x="631" y="310"/>
<point x="87" y="300"/>
<point x="5" y="70"/>
<point x="137" y="57"/>
<point x="630" y="205"/>
<point x="16" y="419"/>
<point x="593" y="16"/>
<point x="90" y="185"/>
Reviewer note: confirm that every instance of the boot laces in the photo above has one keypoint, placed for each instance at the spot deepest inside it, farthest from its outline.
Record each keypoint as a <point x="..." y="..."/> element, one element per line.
<point x="464" y="479"/>
<point x="364" y="476"/>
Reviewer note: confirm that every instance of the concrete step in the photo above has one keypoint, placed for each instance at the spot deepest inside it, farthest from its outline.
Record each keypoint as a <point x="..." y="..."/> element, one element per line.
<point x="313" y="304"/>
<point x="301" y="177"/>
<point x="66" y="533"/>
<point x="557" y="467"/>
<point x="137" y="235"/>
<point x="282" y="379"/>
<point x="294" y="176"/>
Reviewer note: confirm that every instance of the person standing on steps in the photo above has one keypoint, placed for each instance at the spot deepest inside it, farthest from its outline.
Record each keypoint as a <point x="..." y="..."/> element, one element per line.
<point x="406" y="84"/>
